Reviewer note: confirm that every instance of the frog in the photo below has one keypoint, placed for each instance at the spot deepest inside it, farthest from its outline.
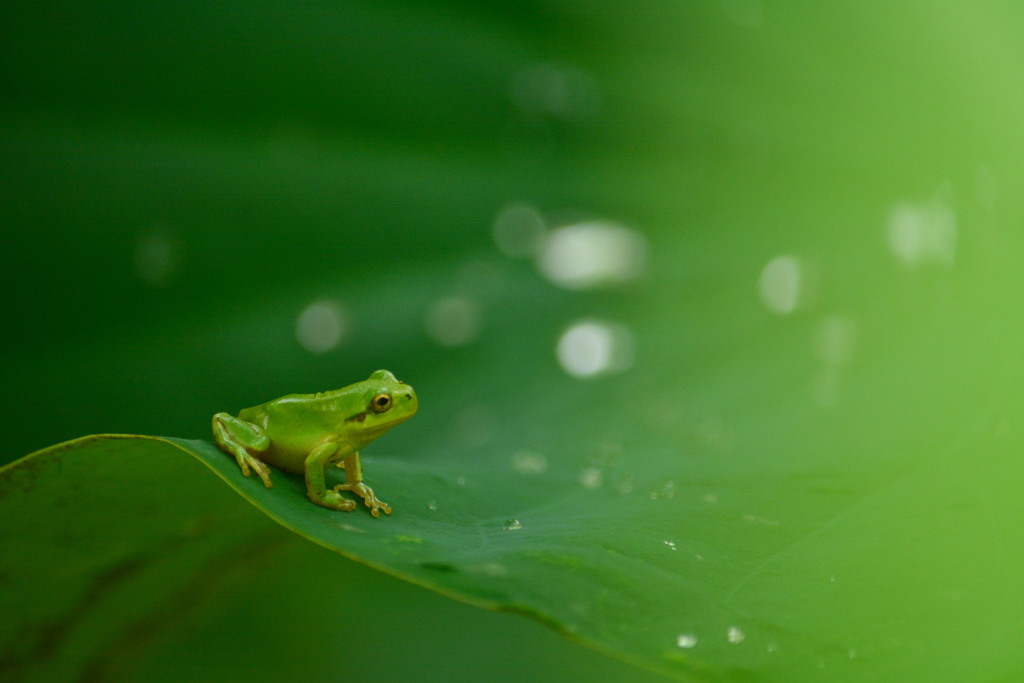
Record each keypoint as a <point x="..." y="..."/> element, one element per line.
<point x="305" y="433"/>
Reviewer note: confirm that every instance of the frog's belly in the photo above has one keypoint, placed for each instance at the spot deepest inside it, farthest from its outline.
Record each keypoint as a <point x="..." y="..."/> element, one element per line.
<point x="291" y="457"/>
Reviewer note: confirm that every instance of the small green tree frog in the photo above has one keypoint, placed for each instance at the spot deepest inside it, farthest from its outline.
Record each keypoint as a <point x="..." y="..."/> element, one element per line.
<point x="307" y="432"/>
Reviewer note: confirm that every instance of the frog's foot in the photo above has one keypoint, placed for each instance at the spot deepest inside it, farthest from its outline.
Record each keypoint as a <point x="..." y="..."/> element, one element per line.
<point x="366" y="493"/>
<point x="241" y="439"/>
<point x="334" y="501"/>
<point x="245" y="461"/>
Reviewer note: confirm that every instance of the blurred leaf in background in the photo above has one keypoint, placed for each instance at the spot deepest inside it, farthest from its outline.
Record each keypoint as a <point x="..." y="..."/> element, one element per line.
<point x="767" y="253"/>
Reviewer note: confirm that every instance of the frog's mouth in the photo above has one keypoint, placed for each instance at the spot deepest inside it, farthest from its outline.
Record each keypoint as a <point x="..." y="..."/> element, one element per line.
<point x="379" y="428"/>
<point x="385" y="426"/>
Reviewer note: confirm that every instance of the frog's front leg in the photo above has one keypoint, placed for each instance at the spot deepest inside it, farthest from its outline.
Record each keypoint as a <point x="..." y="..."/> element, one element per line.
<point x="354" y="483"/>
<point x="316" y="488"/>
<point x="243" y="440"/>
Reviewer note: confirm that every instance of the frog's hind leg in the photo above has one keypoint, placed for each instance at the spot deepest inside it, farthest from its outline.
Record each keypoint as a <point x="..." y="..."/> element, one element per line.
<point x="242" y="439"/>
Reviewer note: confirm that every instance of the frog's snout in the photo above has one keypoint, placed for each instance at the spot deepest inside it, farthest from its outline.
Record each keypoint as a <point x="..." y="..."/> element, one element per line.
<point x="410" y="401"/>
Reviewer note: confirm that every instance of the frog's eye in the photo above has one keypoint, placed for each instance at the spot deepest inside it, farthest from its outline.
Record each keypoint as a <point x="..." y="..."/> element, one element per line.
<point x="380" y="403"/>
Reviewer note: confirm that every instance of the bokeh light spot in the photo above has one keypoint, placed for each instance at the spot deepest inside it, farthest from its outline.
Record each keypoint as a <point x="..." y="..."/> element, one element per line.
<point x="592" y="348"/>
<point x="780" y="284"/>
<point x="922" y="233"/>
<point x="591" y="478"/>
<point x="591" y="254"/>
<point x="519" y="231"/>
<point x="835" y="342"/>
<point x="453" y="321"/>
<point x="321" y="326"/>
<point x="555" y="89"/>
<point x="835" y="339"/>
<point x="529" y="462"/>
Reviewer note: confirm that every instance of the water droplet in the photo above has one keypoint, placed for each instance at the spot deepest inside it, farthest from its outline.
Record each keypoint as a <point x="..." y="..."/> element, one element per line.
<point x="461" y="481"/>
<point x="512" y="525"/>
<point x="626" y="486"/>
<point x="432" y="505"/>
<point x="780" y="284"/>
<point x="686" y="640"/>
<point x="591" y="478"/>
<point x="321" y="326"/>
<point x="528" y="462"/>
<point x="852" y="652"/>
<point x="735" y="635"/>
<point x="453" y="321"/>
<point x="519" y="231"/>
<point x="710" y="498"/>
<point x="592" y="254"/>
<point x="772" y="647"/>
<point x="591" y="348"/>
<point x="671" y="545"/>
<point x="666" y="490"/>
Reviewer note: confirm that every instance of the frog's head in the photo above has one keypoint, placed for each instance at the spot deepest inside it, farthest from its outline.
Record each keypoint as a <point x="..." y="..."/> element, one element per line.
<point x="385" y="402"/>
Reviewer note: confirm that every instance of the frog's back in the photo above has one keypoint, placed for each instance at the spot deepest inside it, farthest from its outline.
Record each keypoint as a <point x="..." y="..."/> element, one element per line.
<point x="306" y="408"/>
<point x="284" y="407"/>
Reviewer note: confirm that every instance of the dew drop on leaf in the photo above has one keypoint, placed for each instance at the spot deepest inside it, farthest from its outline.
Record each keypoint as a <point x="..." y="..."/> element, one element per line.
<point x="686" y="640"/>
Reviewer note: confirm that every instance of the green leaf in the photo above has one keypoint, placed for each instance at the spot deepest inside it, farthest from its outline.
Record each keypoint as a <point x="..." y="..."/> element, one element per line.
<point x="99" y="536"/>
<point x="698" y="577"/>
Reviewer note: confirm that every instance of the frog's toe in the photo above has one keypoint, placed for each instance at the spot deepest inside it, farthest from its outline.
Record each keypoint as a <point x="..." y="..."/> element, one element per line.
<point x="246" y="461"/>
<point x="335" y="501"/>
<point x="264" y="472"/>
<point x="376" y="504"/>
<point x="366" y="493"/>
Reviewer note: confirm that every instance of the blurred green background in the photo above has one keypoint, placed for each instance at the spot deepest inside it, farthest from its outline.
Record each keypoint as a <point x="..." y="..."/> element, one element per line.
<point x="782" y="233"/>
